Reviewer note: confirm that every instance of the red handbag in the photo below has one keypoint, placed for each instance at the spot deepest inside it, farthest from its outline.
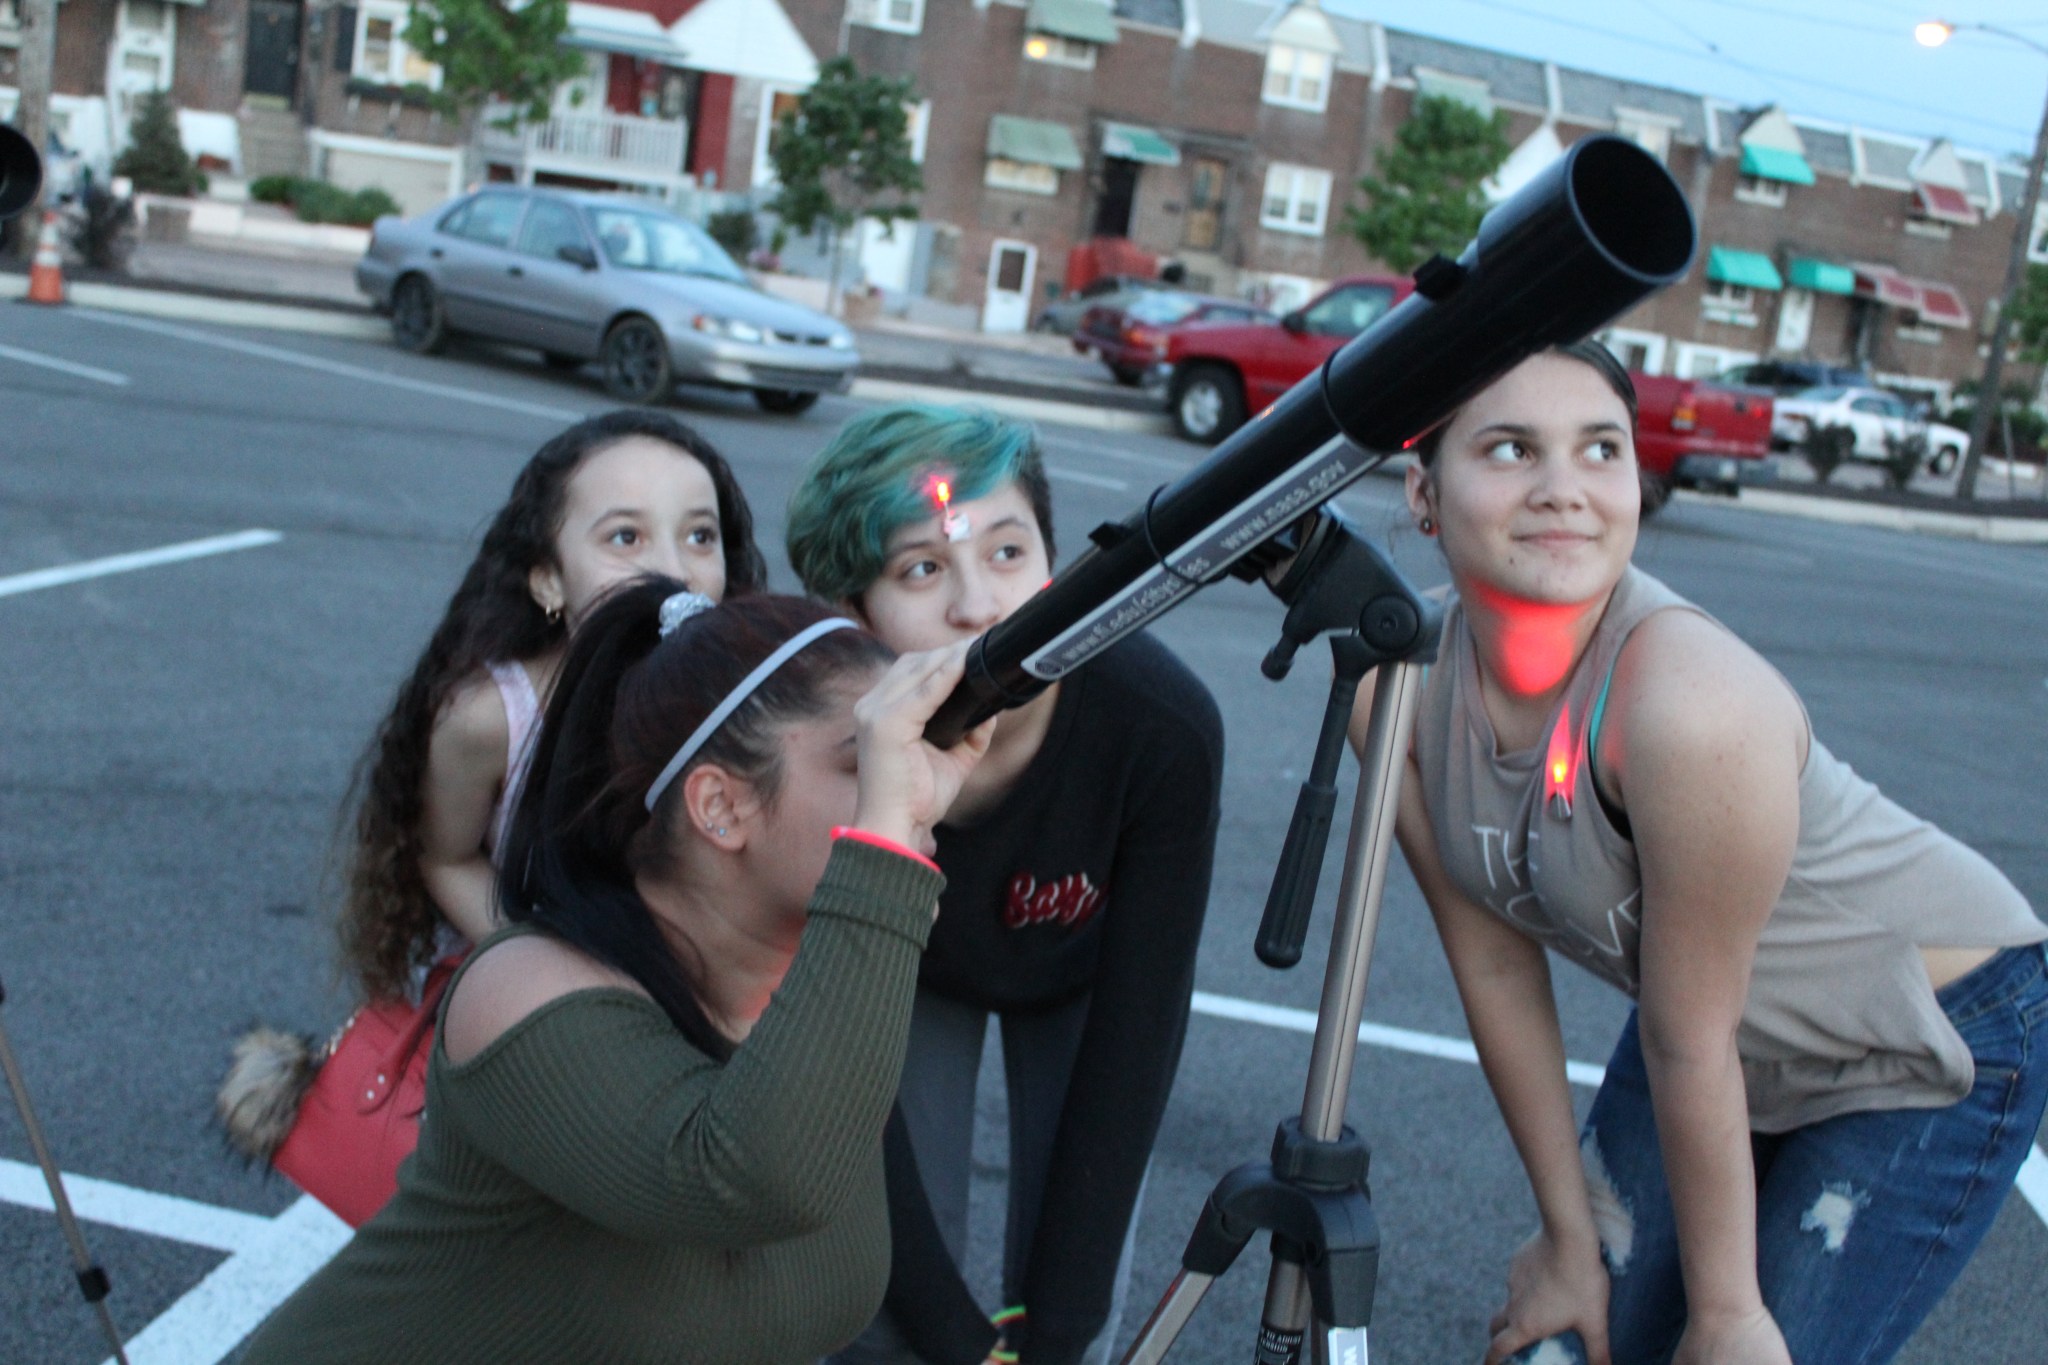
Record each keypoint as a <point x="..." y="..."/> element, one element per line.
<point x="361" y="1116"/>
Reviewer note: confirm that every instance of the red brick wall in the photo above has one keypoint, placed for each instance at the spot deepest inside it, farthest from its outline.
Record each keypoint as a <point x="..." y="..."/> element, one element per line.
<point x="712" y="128"/>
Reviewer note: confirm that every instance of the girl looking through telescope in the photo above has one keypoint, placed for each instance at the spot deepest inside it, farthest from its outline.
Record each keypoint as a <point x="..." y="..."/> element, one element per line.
<point x="1836" y="1063"/>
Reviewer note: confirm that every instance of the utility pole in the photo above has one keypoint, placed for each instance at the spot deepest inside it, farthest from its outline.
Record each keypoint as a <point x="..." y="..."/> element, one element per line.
<point x="37" y="60"/>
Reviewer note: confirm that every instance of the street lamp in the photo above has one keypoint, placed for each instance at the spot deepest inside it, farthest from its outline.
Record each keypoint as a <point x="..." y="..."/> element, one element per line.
<point x="1934" y="33"/>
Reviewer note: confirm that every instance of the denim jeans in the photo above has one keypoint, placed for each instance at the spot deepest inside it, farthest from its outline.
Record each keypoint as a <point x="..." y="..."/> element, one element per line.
<point x="1863" y="1221"/>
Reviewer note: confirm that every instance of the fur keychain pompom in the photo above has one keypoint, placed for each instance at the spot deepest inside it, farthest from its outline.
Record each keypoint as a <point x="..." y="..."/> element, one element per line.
<point x="259" y="1099"/>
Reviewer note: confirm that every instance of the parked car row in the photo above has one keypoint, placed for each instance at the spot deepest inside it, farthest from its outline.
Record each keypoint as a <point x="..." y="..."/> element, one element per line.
<point x="583" y="277"/>
<point x="1877" y="418"/>
<point x="1132" y="337"/>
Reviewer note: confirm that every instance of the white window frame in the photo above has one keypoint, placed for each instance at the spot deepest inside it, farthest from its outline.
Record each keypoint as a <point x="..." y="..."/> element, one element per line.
<point x="1651" y="132"/>
<point x="400" y="15"/>
<point x="2037" y="246"/>
<point x="1755" y="189"/>
<point x="1733" y="304"/>
<point x="1654" y="345"/>
<point x="1921" y="333"/>
<point x="875" y="14"/>
<point x="1060" y="50"/>
<point x="917" y="120"/>
<point x="1021" y="177"/>
<point x="1721" y="358"/>
<point x="1285" y="78"/>
<point x="1302" y="186"/>
<point x="10" y="23"/>
<point x="764" y="169"/>
<point x="1920" y="225"/>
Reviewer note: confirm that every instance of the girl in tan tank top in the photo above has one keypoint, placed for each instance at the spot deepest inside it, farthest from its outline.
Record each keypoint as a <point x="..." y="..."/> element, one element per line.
<point x="1841" y="1011"/>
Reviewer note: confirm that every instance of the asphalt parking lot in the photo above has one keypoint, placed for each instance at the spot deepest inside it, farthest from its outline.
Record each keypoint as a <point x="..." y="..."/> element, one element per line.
<point x="178" y="734"/>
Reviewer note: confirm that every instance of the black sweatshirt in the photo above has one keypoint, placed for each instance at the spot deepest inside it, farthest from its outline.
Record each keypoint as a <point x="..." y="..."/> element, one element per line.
<point x="1090" y="878"/>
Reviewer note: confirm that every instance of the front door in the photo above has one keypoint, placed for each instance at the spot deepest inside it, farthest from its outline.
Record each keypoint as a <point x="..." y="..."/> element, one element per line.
<point x="1119" y="193"/>
<point x="145" y="38"/>
<point x="1204" y="218"/>
<point x="1011" y="266"/>
<point x="272" y="67"/>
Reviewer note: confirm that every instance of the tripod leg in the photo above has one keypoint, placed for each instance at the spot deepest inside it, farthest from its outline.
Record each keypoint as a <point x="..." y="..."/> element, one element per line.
<point x="92" y="1280"/>
<point x="1164" y="1327"/>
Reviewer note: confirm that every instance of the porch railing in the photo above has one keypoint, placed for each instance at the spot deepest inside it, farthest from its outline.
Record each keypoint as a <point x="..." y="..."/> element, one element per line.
<point x="600" y="141"/>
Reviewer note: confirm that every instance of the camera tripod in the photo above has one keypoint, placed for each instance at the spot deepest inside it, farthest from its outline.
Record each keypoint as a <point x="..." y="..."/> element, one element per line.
<point x="1311" y="1195"/>
<point x="92" y="1280"/>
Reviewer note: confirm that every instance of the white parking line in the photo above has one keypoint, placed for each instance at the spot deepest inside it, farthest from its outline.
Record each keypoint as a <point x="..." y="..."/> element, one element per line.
<point x="50" y="362"/>
<point x="271" y="1257"/>
<point x="1092" y="480"/>
<point x="141" y="559"/>
<point x="321" y="364"/>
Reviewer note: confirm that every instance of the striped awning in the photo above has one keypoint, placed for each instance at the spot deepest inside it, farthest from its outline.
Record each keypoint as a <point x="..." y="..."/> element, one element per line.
<point x="1942" y="306"/>
<point x="1945" y="205"/>
<point x="1886" y="286"/>
<point x="1033" y="142"/>
<point x="1134" y="143"/>
<point x="1751" y="269"/>
<point x="1822" y="277"/>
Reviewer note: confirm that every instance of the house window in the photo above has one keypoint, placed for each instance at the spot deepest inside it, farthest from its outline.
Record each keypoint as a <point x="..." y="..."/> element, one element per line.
<point x="1022" y="176"/>
<point x="1754" y="189"/>
<point x="1297" y="199"/>
<point x="1734" y="304"/>
<point x="1919" y="224"/>
<point x="1297" y="78"/>
<point x="898" y="16"/>
<point x="1704" y="362"/>
<point x="1640" y="351"/>
<point x="917" y="120"/>
<point x="1060" y="50"/>
<point x="10" y="22"/>
<point x="382" y="56"/>
<point x="1650" y="132"/>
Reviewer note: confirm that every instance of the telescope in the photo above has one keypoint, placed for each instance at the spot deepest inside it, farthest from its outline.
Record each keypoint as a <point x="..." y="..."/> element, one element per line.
<point x="1602" y="228"/>
<point x="21" y="172"/>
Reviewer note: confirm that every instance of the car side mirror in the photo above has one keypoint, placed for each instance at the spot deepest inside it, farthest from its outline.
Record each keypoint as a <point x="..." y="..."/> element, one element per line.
<point x="1295" y="322"/>
<point x="578" y="254"/>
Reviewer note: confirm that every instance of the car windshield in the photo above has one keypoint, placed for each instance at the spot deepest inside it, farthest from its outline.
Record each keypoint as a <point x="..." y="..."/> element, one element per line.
<point x="1163" y="309"/>
<point x="1821" y="395"/>
<point x="637" y="240"/>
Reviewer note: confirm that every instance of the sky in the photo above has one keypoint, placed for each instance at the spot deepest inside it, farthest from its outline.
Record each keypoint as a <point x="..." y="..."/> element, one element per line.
<point x="1851" y="61"/>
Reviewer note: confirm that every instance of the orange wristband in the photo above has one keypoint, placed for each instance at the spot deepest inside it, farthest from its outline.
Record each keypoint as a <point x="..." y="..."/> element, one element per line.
<point x="877" y="841"/>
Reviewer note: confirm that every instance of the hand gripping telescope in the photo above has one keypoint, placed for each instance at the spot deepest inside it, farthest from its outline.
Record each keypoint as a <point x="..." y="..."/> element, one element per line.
<point x="1597" y="232"/>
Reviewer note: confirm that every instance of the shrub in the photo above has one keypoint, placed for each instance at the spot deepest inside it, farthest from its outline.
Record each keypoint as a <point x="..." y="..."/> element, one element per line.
<point x="1903" y="458"/>
<point x="156" y="160"/>
<point x="103" y="234"/>
<point x="1827" y="449"/>
<point x="274" y="189"/>
<point x="316" y="201"/>
<point x="736" y="231"/>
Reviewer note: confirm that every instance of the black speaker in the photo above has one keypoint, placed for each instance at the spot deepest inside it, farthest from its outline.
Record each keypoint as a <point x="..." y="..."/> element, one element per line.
<point x="21" y="172"/>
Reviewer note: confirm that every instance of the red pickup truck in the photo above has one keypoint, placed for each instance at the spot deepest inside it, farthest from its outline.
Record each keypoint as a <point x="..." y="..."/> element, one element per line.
<point x="1688" y="432"/>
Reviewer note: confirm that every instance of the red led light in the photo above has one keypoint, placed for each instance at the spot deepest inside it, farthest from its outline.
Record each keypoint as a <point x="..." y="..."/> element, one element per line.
<point x="1559" y="765"/>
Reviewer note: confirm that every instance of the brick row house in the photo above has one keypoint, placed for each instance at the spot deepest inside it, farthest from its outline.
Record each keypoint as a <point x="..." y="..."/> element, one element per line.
<point x="1060" y="137"/>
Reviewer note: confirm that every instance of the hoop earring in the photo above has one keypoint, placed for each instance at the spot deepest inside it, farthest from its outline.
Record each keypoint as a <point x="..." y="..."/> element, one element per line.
<point x="1427" y="525"/>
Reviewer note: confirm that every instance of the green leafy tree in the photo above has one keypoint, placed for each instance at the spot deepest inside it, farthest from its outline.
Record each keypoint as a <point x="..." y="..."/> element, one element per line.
<point x="843" y="154"/>
<point x="2030" y="314"/>
<point x="156" y="160"/>
<point x="1426" y="197"/>
<point x="490" y="49"/>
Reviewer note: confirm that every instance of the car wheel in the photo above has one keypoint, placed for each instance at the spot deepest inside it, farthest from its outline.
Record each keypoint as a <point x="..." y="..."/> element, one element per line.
<point x="785" y="402"/>
<point x="1207" y="403"/>
<point x="1944" y="461"/>
<point x="417" y="324"/>
<point x="637" y="367"/>
<point x="1656" y="492"/>
<point x="561" y="360"/>
<point x="1130" y="376"/>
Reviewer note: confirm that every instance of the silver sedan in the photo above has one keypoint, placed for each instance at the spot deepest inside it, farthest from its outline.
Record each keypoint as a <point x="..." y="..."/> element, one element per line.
<point x="584" y="277"/>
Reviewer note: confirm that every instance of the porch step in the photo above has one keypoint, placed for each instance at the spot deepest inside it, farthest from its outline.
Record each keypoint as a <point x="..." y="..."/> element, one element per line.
<point x="273" y="140"/>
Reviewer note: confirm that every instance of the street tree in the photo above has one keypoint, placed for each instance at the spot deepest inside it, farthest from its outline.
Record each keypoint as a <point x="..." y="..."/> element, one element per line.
<point x="843" y="154"/>
<point x="494" y="49"/>
<point x="1427" y="197"/>
<point x="2030" y="315"/>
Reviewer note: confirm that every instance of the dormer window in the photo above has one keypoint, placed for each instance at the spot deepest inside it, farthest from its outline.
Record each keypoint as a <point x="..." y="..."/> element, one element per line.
<point x="1059" y="50"/>
<point x="1297" y="78"/>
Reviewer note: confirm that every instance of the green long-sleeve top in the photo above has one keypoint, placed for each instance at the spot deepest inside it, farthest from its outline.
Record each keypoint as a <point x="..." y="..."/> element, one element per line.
<point x="591" y="1188"/>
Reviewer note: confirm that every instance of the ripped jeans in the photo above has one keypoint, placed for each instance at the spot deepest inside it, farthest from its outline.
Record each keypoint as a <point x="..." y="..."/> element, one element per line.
<point x="1863" y="1221"/>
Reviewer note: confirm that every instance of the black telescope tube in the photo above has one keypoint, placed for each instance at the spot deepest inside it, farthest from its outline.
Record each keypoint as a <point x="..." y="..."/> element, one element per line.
<point x="1603" y="227"/>
<point x="21" y="172"/>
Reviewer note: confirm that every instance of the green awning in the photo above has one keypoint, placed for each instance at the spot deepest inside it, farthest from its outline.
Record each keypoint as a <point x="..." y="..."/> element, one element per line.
<point x="1822" y="277"/>
<point x="1770" y="163"/>
<point x="1750" y="268"/>
<point x="1033" y="142"/>
<point x="1134" y="143"/>
<point x="1088" y="20"/>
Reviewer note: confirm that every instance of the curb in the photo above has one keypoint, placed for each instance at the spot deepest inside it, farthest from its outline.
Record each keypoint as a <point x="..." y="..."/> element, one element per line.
<point x="1925" y="521"/>
<point x="164" y="303"/>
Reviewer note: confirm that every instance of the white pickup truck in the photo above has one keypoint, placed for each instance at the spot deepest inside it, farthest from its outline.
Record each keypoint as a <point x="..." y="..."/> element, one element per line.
<point x="1873" y="415"/>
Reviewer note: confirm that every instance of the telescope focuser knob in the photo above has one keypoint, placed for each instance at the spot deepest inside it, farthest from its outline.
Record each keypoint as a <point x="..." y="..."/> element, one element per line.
<point x="1109" y="535"/>
<point x="1438" y="278"/>
<point x="1389" y="625"/>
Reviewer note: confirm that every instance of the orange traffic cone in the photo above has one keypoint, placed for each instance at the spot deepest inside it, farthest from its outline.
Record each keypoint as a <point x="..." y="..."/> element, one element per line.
<point x="46" y="276"/>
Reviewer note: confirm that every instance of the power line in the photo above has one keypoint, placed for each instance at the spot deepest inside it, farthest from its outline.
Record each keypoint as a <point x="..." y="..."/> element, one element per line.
<point x="1762" y="73"/>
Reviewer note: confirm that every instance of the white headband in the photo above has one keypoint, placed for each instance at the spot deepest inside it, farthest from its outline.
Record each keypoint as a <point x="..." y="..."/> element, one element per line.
<point x="738" y="696"/>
